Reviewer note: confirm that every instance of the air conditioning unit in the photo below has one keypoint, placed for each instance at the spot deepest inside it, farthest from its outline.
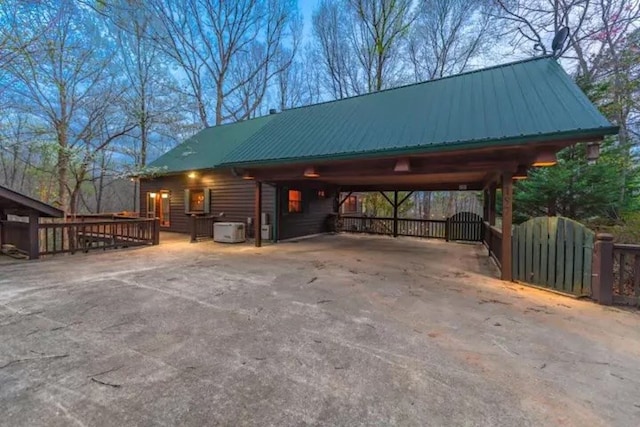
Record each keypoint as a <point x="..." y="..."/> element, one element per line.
<point x="266" y="232"/>
<point x="228" y="232"/>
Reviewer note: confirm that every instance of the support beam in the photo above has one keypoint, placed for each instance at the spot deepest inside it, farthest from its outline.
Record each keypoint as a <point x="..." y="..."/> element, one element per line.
<point x="388" y="199"/>
<point x="257" y="220"/>
<point x="405" y="198"/>
<point x="485" y="205"/>
<point x="344" y="200"/>
<point x="395" y="214"/>
<point x="492" y="205"/>
<point x="34" y="241"/>
<point x="507" y="220"/>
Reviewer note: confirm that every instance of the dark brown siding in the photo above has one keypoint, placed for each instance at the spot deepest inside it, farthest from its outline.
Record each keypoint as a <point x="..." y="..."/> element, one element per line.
<point x="313" y="218"/>
<point x="230" y="195"/>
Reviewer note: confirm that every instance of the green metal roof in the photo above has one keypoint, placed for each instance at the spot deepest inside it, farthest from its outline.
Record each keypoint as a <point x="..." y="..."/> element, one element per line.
<point x="525" y="101"/>
<point x="207" y="148"/>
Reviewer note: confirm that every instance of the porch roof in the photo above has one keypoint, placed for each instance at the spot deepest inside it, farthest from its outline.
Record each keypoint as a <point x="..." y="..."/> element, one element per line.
<point x="12" y="202"/>
<point x="516" y="104"/>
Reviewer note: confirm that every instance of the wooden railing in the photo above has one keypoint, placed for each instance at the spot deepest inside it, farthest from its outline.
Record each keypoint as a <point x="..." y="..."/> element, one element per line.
<point x="626" y="274"/>
<point x="453" y="228"/>
<point x="492" y="239"/>
<point x="201" y="227"/>
<point x="71" y="237"/>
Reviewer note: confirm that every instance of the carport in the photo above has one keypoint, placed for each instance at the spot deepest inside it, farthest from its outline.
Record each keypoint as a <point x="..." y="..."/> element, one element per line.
<point x="476" y="131"/>
<point x="23" y="235"/>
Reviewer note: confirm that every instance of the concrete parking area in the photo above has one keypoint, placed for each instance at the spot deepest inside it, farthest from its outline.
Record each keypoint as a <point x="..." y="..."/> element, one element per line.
<point x="335" y="330"/>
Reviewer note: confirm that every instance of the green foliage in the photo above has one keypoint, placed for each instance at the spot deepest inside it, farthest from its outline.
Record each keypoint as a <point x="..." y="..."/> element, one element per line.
<point x="577" y="190"/>
<point x="376" y="205"/>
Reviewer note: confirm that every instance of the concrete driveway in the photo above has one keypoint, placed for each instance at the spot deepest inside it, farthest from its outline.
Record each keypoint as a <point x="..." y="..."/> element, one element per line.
<point x="336" y="330"/>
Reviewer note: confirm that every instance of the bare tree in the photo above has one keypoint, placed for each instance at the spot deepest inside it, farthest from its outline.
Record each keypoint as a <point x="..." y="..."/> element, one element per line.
<point x="332" y="22"/>
<point x="447" y="36"/>
<point x="224" y="46"/>
<point x="379" y="34"/>
<point x="64" y="85"/>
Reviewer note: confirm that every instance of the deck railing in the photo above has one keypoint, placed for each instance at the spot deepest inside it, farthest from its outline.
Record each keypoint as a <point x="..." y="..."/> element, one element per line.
<point x="428" y="228"/>
<point x="626" y="274"/>
<point x="201" y="227"/>
<point x="492" y="239"/>
<point x="71" y="237"/>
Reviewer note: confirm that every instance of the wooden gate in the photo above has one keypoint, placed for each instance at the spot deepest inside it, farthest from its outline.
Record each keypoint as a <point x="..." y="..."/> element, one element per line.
<point x="465" y="226"/>
<point x="555" y="253"/>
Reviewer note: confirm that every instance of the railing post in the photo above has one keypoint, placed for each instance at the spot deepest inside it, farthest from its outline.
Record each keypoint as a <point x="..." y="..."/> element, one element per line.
<point x="34" y="238"/>
<point x="395" y="214"/>
<point x="156" y="231"/>
<point x="447" y="224"/>
<point x="192" y="228"/>
<point x="602" y="269"/>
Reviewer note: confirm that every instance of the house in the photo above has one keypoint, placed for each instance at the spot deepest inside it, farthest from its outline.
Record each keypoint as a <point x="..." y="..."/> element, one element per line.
<point x="473" y="131"/>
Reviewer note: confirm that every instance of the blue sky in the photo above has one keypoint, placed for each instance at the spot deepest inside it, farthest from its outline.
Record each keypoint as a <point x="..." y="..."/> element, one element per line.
<point x="306" y="9"/>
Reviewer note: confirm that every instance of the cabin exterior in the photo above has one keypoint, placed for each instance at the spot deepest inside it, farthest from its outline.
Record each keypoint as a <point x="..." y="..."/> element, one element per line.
<point x="475" y="131"/>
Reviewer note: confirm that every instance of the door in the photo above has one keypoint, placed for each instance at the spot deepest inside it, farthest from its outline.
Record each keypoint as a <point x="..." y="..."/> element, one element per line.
<point x="159" y="206"/>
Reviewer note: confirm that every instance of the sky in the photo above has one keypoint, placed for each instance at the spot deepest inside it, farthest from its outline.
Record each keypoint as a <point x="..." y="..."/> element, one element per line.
<point x="306" y="9"/>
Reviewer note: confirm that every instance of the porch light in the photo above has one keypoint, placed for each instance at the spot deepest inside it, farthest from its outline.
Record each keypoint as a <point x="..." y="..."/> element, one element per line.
<point x="521" y="173"/>
<point x="402" y="165"/>
<point x="311" y="172"/>
<point x="593" y="152"/>
<point x="191" y="175"/>
<point x="545" y="159"/>
<point x="164" y="195"/>
<point x="247" y="176"/>
<point x="152" y="195"/>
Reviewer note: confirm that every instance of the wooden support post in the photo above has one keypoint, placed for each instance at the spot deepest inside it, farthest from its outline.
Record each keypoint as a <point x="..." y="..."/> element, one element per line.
<point x="3" y="231"/>
<point x="492" y="205"/>
<point x="395" y="214"/>
<point x="602" y="269"/>
<point x="34" y="238"/>
<point x="156" y="231"/>
<point x="485" y="205"/>
<point x="192" y="228"/>
<point x="507" y="221"/>
<point x="257" y="220"/>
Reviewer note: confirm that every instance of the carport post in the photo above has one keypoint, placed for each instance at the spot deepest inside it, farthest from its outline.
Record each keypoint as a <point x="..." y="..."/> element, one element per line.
<point x="492" y="205"/>
<point x="34" y="240"/>
<point x="257" y="231"/>
<point x="395" y="214"/>
<point x="507" y="219"/>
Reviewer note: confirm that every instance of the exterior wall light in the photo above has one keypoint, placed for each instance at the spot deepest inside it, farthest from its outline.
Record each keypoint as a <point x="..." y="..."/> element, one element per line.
<point x="191" y="175"/>
<point x="311" y="172"/>
<point x="521" y="173"/>
<point x="545" y="159"/>
<point x="247" y="176"/>
<point x="402" y="165"/>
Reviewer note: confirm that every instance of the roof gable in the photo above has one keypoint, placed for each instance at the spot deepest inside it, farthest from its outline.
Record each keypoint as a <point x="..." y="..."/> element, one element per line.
<point x="21" y="204"/>
<point x="522" y="101"/>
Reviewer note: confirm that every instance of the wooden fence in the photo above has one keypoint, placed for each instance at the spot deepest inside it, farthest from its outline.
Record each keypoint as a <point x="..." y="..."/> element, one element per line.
<point x="201" y="227"/>
<point x="492" y="239"/>
<point x="71" y="237"/>
<point x="463" y="226"/>
<point x="626" y="274"/>
<point x="555" y="253"/>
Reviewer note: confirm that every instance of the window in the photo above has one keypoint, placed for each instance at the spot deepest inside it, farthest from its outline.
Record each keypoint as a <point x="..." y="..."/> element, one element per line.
<point x="295" y="201"/>
<point x="350" y="205"/>
<point x="197" y="201"/>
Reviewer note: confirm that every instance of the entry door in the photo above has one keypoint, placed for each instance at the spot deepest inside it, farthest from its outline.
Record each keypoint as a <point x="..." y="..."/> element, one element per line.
<point x="159" y="206"/>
